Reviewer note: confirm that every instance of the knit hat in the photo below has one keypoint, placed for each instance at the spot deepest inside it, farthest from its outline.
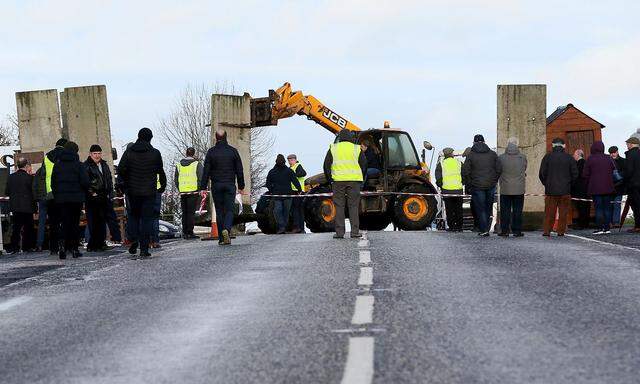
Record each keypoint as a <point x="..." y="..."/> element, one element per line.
<point x="61" y="142"/>
<point x="280" y="159"/>
<point x="145" y="134"/>
<point x="95" y="148"/>
<point x="478" y="139"/>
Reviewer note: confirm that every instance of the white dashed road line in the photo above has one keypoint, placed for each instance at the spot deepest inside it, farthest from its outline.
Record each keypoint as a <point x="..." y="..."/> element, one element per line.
<point x="363" y="243"/>
<point x="359" y="367"/>
<point x="365" y="257"/>
<point x="366" y="276"/>
<point x="363" y="313"/>
<point x="7" y="305"/>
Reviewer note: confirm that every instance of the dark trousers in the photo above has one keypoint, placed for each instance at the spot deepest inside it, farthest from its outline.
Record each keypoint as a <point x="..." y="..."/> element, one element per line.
<point x="297" y="213"/>
<point x="483" y="205"/>
<point x="224" y="195"/>
<point x="347" y="193"/>
<point x="188" y="204"/>
<point x="155" y="226"/>
<point x="42" y="222"/>
<point x="22" y="229"/>
<point x="281" y="207"/>
<point x="553" y="204"/>
<point x="140" y="220"/>
<point x="112" y="222"/>
<point x="511" y="213"/>
<point x="70" y="213"/>
<point x="584" y="212"/>
<point x="453" y="206"/>
<point x="634" y="202"/>
<point x="604" y="209"/>
<point x="55" y="225"/>
<point x="96" y="221"/>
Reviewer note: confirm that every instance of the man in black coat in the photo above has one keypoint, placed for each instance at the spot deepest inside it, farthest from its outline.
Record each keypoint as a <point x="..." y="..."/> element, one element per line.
<point x="279" y="182"/>
<point x="223" y="167"/>
<point x="69" y="183"/>
<point x="99" y="198"/>
<point x="632" y="179"/>
<point x="558" y="172"/>
<point x="22" y="206"/>
<point x="140" y="170"/>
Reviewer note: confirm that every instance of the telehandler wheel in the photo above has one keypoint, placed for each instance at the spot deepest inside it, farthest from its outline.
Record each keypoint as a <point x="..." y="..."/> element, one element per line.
<point x="319" y="211"/>
<point x="414" y="213"/>
<point x="266" y="220"/>
<point x="374" y="222"/>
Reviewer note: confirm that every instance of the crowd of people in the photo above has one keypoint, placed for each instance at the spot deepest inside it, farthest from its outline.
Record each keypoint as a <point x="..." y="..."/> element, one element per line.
<point x="602" y="179"/>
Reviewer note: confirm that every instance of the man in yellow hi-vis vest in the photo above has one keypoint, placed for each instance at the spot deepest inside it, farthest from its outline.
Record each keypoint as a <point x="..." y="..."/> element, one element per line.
<point x="449" y="179"/>
<point x="187" y="178"/>
<point x="344" y="167"/>
<point x="297" y="212"/>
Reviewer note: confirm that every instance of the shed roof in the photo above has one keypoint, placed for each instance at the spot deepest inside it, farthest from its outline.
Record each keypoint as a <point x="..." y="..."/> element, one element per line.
<point x="563" y="108"/>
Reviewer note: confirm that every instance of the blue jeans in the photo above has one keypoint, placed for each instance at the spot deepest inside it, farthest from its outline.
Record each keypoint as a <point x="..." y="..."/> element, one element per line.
<point x="604" y="210"/>
<point x="155" y="230"/>
<point x="140" y="216"/>
<point x="281" y="209"/>
<point x="617" y="208"/>
<point x="42" y="222"/>
<point x="483" y="205"/>
<point x="224" y="196"/>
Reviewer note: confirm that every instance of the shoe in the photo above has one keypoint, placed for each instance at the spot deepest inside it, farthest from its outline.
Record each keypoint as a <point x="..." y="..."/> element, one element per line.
<point x="157" y="245"/>
<point x="336" y="236"/>
<point x="62" y="254"/>
<point x="606" y="232"/>
<point x="145" y="255"/>
<point x="280" y="233"/>
<point x="133" y="248"/>
<point x="75" y="254"/>
<point x="483" y="234"/>
<point x="518" y="234"/>
<point x="503" y="234"/>
<point x="356" y="236"/>
<point x="546" y="234"/>
<point x="598" y="232"/>
<point x="226" y="240"/>
<point x="560" y="234"/>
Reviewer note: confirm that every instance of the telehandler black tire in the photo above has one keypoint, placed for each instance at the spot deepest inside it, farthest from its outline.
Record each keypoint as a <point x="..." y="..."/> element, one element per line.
<point x="319" y="211"/>
<point x="266" y="219"/>
<point x="414" y="213"/>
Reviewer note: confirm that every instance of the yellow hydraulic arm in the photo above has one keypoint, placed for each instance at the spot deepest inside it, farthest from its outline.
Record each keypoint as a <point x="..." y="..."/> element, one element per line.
<point x="286" y="103"/>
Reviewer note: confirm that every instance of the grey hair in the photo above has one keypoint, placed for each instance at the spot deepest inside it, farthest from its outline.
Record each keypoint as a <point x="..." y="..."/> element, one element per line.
<point x="22" y="162"/>
<point x="513" y="140"/>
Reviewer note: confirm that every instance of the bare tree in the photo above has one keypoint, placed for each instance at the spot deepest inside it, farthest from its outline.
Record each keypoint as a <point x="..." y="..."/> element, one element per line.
<point x="186" y="126"/>
<point x="9" y="131"/>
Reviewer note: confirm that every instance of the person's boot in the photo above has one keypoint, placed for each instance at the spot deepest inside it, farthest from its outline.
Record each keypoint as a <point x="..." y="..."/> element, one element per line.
<point x="62" y="254"/>
<point x="226" y="239"/>
<point x="144" y="254"/>
<point x="133" y="248"/>
<point x="76" y="253"/>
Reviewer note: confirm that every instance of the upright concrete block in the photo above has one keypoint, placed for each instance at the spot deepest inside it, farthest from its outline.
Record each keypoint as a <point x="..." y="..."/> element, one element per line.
<point x="85" y="119"/>
<point x="522" y="113"/>
<point x="38" y="120"/>
<point x="233" y="114"/>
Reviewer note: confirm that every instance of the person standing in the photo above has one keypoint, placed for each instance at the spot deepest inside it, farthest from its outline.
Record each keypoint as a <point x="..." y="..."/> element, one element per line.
<point x="344" y="167"/>
<point x="69" y="183"/>
<point x="482" y="169"/>
<point x="512" y="188"/>
<point x="47" y="207"/>
<point x="297" y="211"/>
<point x="22" y="206"/>
<point x="579" y="191"/>
<point x="187" y="178"/>
<point x="632" y="179"/>
<point x="619" y="162"/>
<point x="99" y="197"/>
<point x="558" y="171"/>
<point x="449" y="180"/>
<point x="223" y="167"/>
<point x="280" y="181"/>
<point x="599" y="174"/>
<point x="140" y="169"/>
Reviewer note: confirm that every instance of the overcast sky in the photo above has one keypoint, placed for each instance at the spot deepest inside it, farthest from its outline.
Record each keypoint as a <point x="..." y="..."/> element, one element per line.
<point x="430" y="67"/>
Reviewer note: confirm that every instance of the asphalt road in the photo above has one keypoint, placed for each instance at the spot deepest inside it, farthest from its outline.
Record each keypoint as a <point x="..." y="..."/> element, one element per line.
<point x="424" y="307"/>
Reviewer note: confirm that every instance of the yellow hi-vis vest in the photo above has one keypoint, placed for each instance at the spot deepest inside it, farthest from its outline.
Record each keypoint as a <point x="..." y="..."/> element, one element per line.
<point x="451" y="174"/>
<point x="48" y="167"/>
<point x="158" y="185"/>
<point x="187" y="177"/>
<point x="300" y="179"/>
<point x="345" y="166"/>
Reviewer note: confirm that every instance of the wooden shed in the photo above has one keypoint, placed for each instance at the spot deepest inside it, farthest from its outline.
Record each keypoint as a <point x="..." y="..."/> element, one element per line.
<point x="575" y="127"/>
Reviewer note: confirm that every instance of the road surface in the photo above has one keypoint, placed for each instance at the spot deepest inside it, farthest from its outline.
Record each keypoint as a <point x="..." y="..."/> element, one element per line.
<point x="396" y="307"/>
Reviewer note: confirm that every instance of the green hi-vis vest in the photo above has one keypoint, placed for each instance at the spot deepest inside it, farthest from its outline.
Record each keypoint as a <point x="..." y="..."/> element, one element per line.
<point x="48" y="167"/>
<point x="345" y="165"/>
<point x="188" y="177"/>
<point x="300" y="179"/>
<point x="158" y="185"/>
<point x="451" y="174"/>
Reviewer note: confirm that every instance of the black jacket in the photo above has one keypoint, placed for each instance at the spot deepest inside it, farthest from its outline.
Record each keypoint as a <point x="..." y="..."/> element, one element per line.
<point x="632" y="168"/>
<point x="579" y="187"/>
<point x="69" y="180"/>
<point x="481" y="169"/>
<point x="620" y="165"/>
<point x="184" y="162"/>
<point x="100" y="183"/>
<point x="139" y="170"/>
<point x="19" y="191"/>
<point x="279" y="180"/>
<point x="344" y="135"/>
<point x="558" y="171"/>
<point x="222" y="165"/>
<point x="373" y="159"/>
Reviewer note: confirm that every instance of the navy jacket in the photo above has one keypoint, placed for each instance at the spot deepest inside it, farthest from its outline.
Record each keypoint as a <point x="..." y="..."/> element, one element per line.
<point x="69" y="180"/>
<point x="222" y="165"/>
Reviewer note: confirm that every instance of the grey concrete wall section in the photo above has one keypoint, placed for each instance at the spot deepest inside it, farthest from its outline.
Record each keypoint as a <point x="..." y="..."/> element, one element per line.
<point x="85" y="116"/>
<point x="38" y="120"/>
<point x="522" y="113"/>
<point x="233" y="114"/>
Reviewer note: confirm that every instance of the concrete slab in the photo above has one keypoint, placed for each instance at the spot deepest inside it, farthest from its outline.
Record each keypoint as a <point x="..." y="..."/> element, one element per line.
<point x="38" y="120"/>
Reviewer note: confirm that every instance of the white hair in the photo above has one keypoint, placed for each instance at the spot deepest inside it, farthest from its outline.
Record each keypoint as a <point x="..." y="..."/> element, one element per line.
<point x="513" y="140"/>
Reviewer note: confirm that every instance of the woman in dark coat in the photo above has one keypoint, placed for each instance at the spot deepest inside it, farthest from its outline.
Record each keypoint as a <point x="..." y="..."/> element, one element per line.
<point x="598" y="171"/>
<point x="69" y="182"/>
